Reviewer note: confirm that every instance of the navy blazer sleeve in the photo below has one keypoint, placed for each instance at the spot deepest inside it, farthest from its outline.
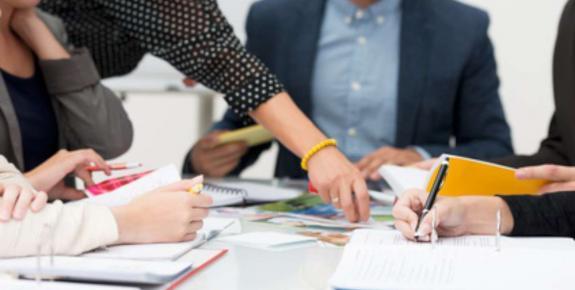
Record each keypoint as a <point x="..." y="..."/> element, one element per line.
<point x="481" y="130"/>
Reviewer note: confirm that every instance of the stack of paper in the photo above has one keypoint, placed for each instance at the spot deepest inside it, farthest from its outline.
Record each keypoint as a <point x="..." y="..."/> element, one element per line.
<point x="384" y="260"/>
<point x="169" y="251"/>
<point x="91" y="269"/>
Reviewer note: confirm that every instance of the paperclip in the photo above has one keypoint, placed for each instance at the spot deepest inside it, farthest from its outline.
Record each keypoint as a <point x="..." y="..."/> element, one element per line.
<point x="498" y="231"/>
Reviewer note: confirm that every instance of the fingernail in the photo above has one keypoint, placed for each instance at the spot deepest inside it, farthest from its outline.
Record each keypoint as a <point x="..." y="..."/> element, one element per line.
<point x="520" y="174"/>
<point x="4" y="216"/>
<point x="423" y="230"/>
<point x="199" y="178"/>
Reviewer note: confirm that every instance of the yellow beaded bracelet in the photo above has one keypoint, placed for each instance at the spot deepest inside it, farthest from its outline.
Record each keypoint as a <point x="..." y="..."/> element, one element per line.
<point x="316" y="149"/>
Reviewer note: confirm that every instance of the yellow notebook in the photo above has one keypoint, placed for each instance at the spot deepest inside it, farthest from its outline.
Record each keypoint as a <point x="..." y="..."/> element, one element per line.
<point x="467" y="176"/>
<point x="253" y="136"/>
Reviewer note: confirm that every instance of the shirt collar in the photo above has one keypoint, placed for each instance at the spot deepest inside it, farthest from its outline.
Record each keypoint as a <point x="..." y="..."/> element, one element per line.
<point x="380" y="7"/>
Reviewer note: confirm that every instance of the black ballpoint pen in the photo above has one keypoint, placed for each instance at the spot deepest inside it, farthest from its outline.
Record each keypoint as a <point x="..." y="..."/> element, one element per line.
<point x="437" y="184"/>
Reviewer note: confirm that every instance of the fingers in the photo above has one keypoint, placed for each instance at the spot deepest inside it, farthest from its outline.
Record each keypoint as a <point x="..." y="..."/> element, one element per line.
<point x="558" y="187"/>
<point x="39" y="202"/>
<point x="347" y="204"/>
<point x="22" y="204"/>
<point x="209" y="141"/>
<point x="334" y="194"/>
<point x="361" y="199"/>
<point x="85" y="176"/>
<point x="548" y="172"/>
<point x="201" y="201"/>
<point x="90" y="156"/>
<point x="68" y="194"/>
<point x="406" y="213"/>
<point x="194" y="227"/>
<point x="425" y="165"/>
<point x="9" y="199"/>
<point x="224" y="153"/>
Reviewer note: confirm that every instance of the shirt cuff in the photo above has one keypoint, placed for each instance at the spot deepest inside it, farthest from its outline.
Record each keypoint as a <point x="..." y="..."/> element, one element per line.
<point x="64" y="76"/>
<point x="424" y="154"/>
<point x="253" y="94"/>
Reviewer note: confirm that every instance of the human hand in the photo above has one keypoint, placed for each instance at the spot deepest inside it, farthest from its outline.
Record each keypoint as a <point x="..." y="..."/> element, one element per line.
<point x="338" y="182"/>
<point x="450" y="216"/>
<point x="61" y="191"/>
<point x="34" y="32"/>
<point x="562" y="178"/>
<point x="370" y="164"/>
<point x="214" y="160"/>
<point x="47" y="175"/>
<point x="169" y="214"/>
<point x="425" y="165"/>
<point x="16" y="202"/>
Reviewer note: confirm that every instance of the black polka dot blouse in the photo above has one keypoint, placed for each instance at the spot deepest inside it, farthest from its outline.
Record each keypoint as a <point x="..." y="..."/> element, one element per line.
<point x="192" y="35"/>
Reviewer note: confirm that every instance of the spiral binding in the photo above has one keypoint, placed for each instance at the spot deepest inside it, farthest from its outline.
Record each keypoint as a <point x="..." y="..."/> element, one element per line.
<point x="219" y="189"/>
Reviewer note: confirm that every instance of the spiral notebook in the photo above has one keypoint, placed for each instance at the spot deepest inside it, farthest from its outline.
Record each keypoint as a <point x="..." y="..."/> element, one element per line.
<point x="226" y="193"/>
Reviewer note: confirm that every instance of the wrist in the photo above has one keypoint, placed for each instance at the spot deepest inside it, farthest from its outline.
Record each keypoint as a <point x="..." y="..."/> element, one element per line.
<point x="479" y="216"/>
<point x="322" y="147"/>
<point x="124" y="221"/>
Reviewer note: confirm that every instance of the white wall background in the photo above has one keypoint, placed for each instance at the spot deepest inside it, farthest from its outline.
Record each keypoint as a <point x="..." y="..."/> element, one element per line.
<point x="523" y="33"/>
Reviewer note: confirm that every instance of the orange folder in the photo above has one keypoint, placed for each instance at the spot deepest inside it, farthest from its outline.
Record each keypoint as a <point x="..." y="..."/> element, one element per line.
<point x="467" y="176"/>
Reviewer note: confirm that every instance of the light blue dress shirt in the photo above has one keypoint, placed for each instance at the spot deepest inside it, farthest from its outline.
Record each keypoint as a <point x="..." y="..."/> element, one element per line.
<point x="355" y="82"/>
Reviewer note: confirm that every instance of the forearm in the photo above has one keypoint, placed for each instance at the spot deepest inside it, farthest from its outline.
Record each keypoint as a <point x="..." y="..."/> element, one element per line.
<point x="67" y="229"/>
<point x="480" y="215"/>
<point x="288" y="124"/>
<point x="41" y="40"/>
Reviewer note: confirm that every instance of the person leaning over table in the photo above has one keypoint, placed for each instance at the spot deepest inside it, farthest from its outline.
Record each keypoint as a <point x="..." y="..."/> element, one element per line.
<point x="52" y="101"/>
<point x="167" y="214"/>
<point x="194" y="37"/>
<point x="391" y="80"/>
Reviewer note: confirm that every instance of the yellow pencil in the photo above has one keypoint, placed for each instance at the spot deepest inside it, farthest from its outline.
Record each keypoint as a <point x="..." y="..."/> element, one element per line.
<point x="197" y="189"/>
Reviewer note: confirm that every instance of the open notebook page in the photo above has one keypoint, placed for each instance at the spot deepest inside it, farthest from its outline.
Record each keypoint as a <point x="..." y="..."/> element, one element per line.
<point x="405" y="267"/>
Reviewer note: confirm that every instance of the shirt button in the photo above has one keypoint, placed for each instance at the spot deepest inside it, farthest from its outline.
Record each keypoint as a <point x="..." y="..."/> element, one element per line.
<point x="361" y="40"/>
<point x="380" y="20"/>
<point x="355" y="86"/>
<point x="352" y="132"/>
<point x="359" y="14"/>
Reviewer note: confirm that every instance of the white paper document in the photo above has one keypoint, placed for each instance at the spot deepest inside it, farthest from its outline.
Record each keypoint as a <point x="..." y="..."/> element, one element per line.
<point x="384" y="262"/>
<point x="123" y="195"/>
<point x="401" y="179"/>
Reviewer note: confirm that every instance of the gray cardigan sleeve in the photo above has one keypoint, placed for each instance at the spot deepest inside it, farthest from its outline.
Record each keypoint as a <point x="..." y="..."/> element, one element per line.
<point x="90" y="115"/>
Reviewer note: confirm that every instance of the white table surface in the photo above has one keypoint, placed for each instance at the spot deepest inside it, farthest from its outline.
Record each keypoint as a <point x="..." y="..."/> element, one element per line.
<point x="243" y="268"/>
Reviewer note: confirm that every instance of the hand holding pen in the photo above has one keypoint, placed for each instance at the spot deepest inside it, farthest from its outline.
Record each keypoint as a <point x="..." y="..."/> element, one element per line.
<point x="436" y="187"/>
